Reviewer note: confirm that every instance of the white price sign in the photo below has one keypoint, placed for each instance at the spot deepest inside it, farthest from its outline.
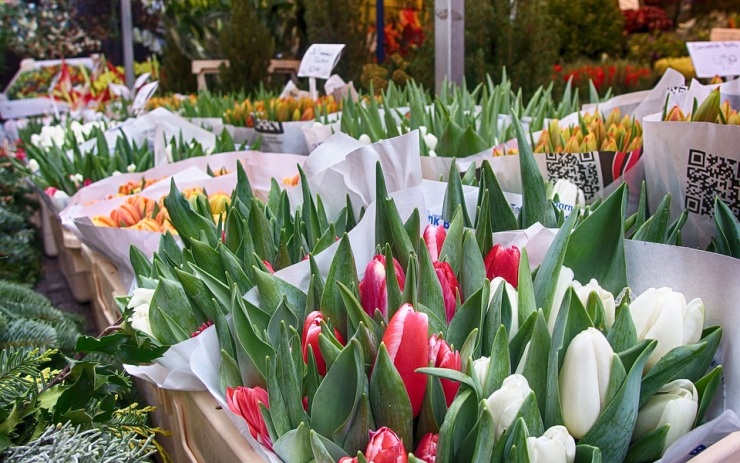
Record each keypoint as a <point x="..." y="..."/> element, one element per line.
<point x="320" y="59"/>
<point x="715" y="58"/>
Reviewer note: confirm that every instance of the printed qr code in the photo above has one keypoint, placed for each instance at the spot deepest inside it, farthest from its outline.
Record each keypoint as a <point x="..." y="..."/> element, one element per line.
<point x="710" y="176"/>
<point x="579" y="168"/>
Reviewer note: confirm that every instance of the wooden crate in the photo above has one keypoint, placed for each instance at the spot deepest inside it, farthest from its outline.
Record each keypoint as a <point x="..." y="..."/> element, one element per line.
<point x="208" y="436"/>
<point x="75" y="268"/>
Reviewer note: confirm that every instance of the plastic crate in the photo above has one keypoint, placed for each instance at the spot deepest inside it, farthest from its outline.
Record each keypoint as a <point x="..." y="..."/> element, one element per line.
<point x="206" y="432"/>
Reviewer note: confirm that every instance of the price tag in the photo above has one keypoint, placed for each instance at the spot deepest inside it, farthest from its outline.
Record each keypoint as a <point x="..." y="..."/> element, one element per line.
<point x="319" y="60"/>
<point x="142" y="80"/>
<point x="715" y="58"/>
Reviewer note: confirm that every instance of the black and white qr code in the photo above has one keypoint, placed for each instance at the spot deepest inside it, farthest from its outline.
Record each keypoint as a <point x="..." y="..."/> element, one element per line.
<point x="579" y="168"/>
<point x="710" y="176"/>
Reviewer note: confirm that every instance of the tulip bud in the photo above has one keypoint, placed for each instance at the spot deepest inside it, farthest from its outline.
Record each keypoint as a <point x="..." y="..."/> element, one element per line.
<point x="434" y="237"/>
<point x="365" y="138"/>
<point x="565" y="279"/>
<point x="513" y="296"/>
<point x="140" y="302"/>
<point x="450" y="287"/>
<point x="406" y="339"/>
<point x="584" y="380"/>
<point x="310" y="337"/>
<point x="244" y="401"/>
<point x="555" y="446"/>
<point x="480" y="366"/>
<point x="431" y="141"/>
<point x="503" y="262"/>
<point x="384" y="447"/>
<point x="607" y="298"/>
<point x="504" y="404"/>
<point x="675" y="404"/>
<point x="568" y="193"/>
<point x="441" y="356"/>
<point x="662" y="314"/>
<point x="675" y="114"/>
<point x="219" y="202"/>
<point x="427" y="448"/>
<point x="373" y="293"/>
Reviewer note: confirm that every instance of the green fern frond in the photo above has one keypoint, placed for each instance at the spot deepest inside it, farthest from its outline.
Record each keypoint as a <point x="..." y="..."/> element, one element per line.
<point x="28" y="333"/>
<point x="20" y="368"/>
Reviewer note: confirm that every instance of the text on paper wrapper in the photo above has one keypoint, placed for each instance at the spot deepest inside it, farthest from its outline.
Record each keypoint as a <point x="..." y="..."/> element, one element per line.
<point x="708" y="176"/>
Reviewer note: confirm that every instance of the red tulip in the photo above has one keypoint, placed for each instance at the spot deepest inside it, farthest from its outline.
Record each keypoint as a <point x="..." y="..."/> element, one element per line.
<point x="310" y="337"/>
<point x="373" y="293"/>
<point x="441" y="356"/>
<point x="384" y="447"/>
<point x="434" y="237"/>
<point x="50" y="191"/>
<point x="427" y="448"/>
<point x="503" y="262"/>
<point x="268" y="266"/>
<point x="450" y="287"/>
<point x="406" y="341"/>
<point x="244" y="401"/>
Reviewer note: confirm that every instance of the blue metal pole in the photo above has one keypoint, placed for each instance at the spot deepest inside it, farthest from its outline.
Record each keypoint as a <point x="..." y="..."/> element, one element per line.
<point x="380" y="25"/>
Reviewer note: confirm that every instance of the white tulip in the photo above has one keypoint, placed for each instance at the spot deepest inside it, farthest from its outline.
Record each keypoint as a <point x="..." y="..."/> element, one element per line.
<point x="33" y="166"/>
<point x="568" y="193"/>
<point x="607" y="298"/>
<point x="504" y="404"/>
<point x="663" y="314"/>
<point x="555" y="446"/>
<point x="480" y="366"/>
<point x="584" y="380"/>
<point x="131" y="168"/>
<point x="168" y="152"/>
<point x="432" y="154"/>
<point x="431" y="141"/>
<point x="140" y="302"/>
<point x="513" y="296"/>
<point x="675" y="404"/>
<point x="36" y="140"/>
<point x="77" y="178"/>
<point x="565" y="278"/>
<point x="423" y="131"/>
<point x="365" y="138"/>
<point x="115" y="173"/>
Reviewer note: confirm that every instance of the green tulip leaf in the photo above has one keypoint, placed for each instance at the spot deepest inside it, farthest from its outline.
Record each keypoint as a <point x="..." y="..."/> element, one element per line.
<point x="483" y="233"/>
<point x="356" y="434"/>
<point x="649" y="447"/>
<point x="199" y="294"/>
<point x="525" y="288"/>
<point x="392" y="288"/>
<point x="473" y="272"/>
<point x="228" y="372"/>
<point x="430" y="290"/>
<point x="613" y="429"/>
<point x="596" y="248"/>
<point x="537" y="356"/>
<point x="454" y="199"/>
<point x="295" y="445"/>
<point x="466" y="319"/>
<point x="272" y="290"/>
<point x="549" y="270"/>
<point x="669" y="368"/>
<point x="515" y="450"/>
<point x="389" y="400"/>
<point x="484" y="443"/>
<point x="170" y="314"/>
<point x="655" y="229"/>
<point x="499" y="367"/>
<point x="139" y="263"/>
<point x="399" y="238"/>
<point x="325" y="450"/>
<point x="707" y="388"/>
<point x="340" y="392"/>
<point x="452" y="248"/>
<point x="696" y="369"/>
<point x="217" y="287"/>
<point x="534" y="197"/>
<point x="622" y="335"/>
<point x="727" y="230"/>
<point x="460" y="420"/>
<point x="342" y="270"/>
<point x="501" y="215"/>
<point x="493" y="319"/>
<point x="189" y="224"/>
<point x="587" y="454"/>
<point x="250" y="340"/>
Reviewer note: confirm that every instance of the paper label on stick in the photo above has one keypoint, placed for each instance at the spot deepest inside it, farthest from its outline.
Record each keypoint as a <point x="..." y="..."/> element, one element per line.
<point x="143" y="95"/>
<point x="715" y="58"/>
<point x="320" y="59"/>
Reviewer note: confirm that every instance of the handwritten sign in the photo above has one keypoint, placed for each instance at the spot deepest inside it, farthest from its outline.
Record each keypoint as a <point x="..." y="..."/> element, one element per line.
<point x="715" y="58"/>
<point x="143" y="95"/>
<point x="319" y="60"/>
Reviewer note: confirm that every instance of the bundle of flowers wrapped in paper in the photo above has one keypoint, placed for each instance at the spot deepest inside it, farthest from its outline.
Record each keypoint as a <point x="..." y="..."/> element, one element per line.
<point x="710" y="110"/>
<point x="280" y="110"/>
<point x="457" y="352"/>
<point x="594" y="132"/>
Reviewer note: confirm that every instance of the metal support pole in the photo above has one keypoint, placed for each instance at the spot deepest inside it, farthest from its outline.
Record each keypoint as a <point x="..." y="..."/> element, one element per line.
<point x="380" y="27"/>
<point x="127" y="32"/>
<point x="449" y="42"/>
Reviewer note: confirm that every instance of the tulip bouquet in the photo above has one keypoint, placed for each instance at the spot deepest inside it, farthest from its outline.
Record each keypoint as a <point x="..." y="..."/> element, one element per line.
<point x="710" y="110"/>
<point x="183" y="291"/>
<point x="458" y="123"/>
<point x="445" y="351"/>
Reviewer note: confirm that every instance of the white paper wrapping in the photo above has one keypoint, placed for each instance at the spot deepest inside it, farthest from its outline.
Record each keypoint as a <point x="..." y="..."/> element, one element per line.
<point x="693" y="162"/>
<point x="172" y="370"/>
<point x="282" y="137"/>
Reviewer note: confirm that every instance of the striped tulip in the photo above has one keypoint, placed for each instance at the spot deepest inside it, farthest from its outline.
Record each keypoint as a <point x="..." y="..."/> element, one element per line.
<point x="373" y="293"/>
<point x="450" y="287"/>
<point x="434" y="237"/>
<point x="245" y="402"/>
<point x="310" y="337"/>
